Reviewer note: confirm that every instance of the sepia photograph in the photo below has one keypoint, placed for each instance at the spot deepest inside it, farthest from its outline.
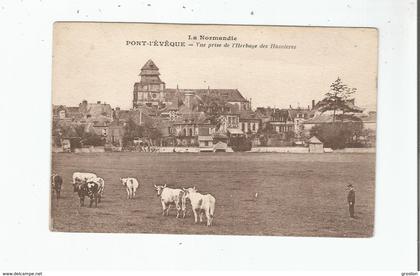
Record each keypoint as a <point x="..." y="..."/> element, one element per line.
<point x="192" y="137"/>
<point x="213" y="129"/>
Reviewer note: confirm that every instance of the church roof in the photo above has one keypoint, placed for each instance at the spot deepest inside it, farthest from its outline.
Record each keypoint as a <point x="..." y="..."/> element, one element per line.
<point x="229" y="95"/>
<point x="150" y="65"/>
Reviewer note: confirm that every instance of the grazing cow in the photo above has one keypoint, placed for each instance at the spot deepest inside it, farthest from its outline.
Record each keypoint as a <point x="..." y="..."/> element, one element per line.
<point x="201" y="204"/>
<point x="168" y="197"/>
<point x="56" y="182"/>
<point x="89" y="189"/>
<point x="131" y="185"/>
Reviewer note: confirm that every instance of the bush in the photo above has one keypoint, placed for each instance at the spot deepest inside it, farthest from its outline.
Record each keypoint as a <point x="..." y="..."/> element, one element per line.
<point x="92" y="139"/>
<point x="337" y="135"/>
<point x="240" y="144"/>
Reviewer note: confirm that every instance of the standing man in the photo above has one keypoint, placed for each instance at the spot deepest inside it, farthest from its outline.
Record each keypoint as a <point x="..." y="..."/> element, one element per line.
<point x="351" y="199"/>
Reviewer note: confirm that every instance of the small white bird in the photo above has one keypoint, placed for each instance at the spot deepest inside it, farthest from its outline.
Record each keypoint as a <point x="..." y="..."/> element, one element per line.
<point x="256" y="194"/>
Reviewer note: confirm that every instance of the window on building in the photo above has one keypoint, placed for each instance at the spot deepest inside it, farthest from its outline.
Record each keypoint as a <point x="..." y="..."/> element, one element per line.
<point x="206" y="143"/>
<point x="191" y="132"/>
<point x="253" y="127"/>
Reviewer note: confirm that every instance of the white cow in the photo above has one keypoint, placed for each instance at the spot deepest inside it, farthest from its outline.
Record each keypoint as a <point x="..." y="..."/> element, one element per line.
<point x="101" y="186"/>
<point x="201" y="204"/>
<point x="168" y="197"/>
<point x="82" y="177"/>
<point x="131" y="185"/>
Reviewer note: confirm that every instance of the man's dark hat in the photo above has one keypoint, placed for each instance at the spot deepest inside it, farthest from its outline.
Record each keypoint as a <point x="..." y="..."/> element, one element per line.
<point x="350" y="185"/>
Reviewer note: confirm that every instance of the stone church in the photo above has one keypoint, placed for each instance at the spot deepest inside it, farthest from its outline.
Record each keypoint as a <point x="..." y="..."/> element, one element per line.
<point x="151" y="91"/>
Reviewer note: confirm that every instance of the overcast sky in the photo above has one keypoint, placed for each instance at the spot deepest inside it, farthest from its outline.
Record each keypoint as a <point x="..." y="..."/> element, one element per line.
<point x="92" y="61"/>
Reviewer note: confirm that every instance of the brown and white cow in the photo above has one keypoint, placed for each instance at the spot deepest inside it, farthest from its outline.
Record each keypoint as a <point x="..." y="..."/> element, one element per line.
<point x="101" y="186"/>
<point x="89" y="189"/>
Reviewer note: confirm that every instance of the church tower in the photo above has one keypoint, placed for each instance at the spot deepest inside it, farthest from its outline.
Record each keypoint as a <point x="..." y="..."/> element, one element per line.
<point x="150" y="90"/>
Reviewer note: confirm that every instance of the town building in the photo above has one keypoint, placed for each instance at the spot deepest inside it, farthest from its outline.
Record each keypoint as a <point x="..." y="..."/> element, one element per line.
<point x="207" y="118"/>
<point x="187" y="129"/>
<point x="277" y="120"/>
<point x="151" y="91"/>
<point x="249" y="122"/>
<point x="205" y="138"/>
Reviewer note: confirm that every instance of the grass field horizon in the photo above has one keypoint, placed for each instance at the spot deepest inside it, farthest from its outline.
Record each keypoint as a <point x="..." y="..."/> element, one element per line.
<point x="298" y="194"/>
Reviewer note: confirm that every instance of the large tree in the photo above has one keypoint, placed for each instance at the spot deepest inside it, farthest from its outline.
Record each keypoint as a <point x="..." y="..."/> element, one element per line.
<point x="131" y="131"/>
<point x="338" y="99"/>
<point x="151" y="131"/>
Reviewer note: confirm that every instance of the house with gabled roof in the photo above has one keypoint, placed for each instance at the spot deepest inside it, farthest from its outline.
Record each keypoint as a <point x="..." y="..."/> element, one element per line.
<point x="186" y="128"/>
<point x="249" y="121"/>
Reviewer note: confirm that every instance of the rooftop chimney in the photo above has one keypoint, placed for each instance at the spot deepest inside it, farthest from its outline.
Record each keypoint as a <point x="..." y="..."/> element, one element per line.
<point x="313" y="104"/>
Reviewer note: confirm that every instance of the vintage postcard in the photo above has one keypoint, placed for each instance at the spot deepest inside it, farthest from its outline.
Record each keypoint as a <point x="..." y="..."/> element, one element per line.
<point x="213" y="129"/>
